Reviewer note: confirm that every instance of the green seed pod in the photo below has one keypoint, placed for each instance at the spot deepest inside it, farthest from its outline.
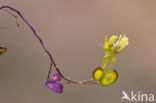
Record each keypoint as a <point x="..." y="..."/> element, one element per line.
<point x="98" y="73"/>
<point x="109" y="78"/>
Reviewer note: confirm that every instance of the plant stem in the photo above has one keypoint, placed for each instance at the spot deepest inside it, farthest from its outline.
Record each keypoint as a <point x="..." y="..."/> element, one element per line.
<point x="45" y="49"/>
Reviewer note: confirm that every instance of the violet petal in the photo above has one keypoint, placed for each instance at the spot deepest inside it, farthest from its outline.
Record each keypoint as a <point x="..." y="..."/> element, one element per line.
<point x="55" y="77"/>
<point x="54" y="86"/>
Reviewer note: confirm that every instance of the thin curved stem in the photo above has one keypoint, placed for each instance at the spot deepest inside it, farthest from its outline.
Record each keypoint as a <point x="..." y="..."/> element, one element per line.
<point x="46" y="50"/>
<point x="12" y="15"/>
<point x="84" y="82"/>
<point x="36" y="35"/>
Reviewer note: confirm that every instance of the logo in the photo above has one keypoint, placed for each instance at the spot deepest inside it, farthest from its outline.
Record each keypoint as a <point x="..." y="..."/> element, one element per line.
<point x="137" y="96"/>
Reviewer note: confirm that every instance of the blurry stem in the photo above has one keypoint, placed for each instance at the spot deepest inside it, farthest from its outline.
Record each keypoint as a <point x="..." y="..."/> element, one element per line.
<point x="84" y="82"/>
<point x="12" y="15"/>
<point x="110" y="65"/>
<point x="45" y="49"/>
<point x="103" y="63"/>
<point x="106" y="60"/>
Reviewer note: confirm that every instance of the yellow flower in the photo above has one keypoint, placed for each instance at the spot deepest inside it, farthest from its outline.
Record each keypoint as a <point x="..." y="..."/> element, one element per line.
<point x="120" y="44"/>
<point x="113" y="47"/>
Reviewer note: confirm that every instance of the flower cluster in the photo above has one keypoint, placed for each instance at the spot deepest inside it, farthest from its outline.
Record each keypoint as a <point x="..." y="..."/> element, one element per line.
<point x="108" y="76"/>
<point x="112" y="47"/>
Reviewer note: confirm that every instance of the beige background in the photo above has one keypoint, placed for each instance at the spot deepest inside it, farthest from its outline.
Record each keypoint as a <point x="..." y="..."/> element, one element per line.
<point x="72" y="31"/>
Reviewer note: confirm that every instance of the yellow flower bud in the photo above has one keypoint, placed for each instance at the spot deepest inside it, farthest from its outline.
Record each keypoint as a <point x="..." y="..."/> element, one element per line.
<point x="112" y="40"/>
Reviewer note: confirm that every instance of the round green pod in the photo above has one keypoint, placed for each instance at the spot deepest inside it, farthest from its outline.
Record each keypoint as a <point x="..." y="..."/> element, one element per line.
<point x="98" y="73"/>
<point x="109" y="78"/>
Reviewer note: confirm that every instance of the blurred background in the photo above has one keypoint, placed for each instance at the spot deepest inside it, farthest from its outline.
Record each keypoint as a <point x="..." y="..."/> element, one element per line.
<point x="73" y="31"/>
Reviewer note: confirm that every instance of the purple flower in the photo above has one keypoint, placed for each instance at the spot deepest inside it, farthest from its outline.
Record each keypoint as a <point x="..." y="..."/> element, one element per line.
<point x="55" y="77"/>
<point x="54" y="86"/>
